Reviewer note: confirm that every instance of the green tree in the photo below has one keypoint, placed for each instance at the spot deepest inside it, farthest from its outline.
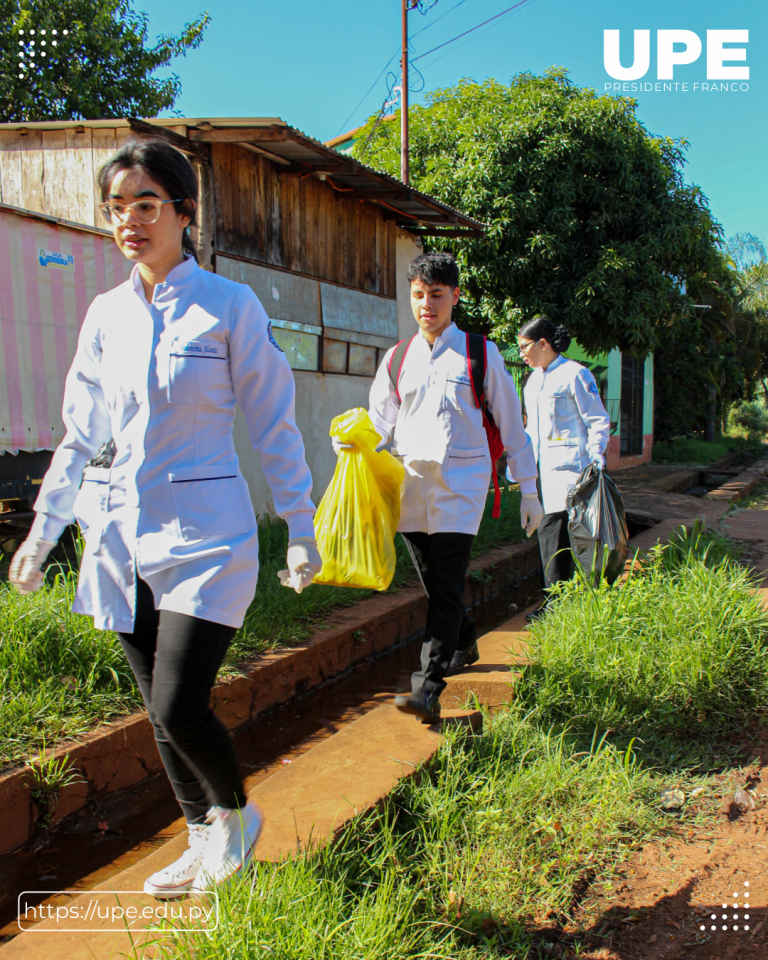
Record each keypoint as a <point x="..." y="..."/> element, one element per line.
<point x="589" y="218"/>
<point x="721" y="352"/>
<point x="102" y="67"/>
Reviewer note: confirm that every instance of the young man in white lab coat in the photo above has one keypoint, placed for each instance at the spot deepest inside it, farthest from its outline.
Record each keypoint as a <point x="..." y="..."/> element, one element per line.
<point x="427" y="408"/>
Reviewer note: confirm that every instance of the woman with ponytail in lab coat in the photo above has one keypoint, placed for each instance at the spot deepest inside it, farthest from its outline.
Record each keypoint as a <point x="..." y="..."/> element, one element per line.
<point x="171" y="555"/>
<point x="569" y="429"/>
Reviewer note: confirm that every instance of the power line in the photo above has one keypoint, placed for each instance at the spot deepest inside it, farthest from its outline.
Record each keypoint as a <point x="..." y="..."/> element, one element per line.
<point x="448" y="53"/>
<point x="471" y="30"/>
<point x="384" y="69"/>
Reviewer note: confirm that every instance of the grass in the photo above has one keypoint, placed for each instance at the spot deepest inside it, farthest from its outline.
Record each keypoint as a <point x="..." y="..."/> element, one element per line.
<point x="678" y="651"/>
<point x="491" y="853"/>
<point x="459" y="865"/>
<point x="693" y="450"/>
<point x="61" y="676"/>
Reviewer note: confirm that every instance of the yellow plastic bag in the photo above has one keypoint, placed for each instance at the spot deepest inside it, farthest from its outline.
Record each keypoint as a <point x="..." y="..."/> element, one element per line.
<point x="357" y="518"/>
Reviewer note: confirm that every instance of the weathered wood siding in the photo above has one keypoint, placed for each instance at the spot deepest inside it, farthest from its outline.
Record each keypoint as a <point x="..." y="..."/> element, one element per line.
<point x="299" y="223"/>
<point x="56" y="171"/>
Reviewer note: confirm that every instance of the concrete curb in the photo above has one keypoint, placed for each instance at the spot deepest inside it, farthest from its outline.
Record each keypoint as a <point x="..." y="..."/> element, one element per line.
<point x="742" y="485"/>
<point x="118" y="755"/>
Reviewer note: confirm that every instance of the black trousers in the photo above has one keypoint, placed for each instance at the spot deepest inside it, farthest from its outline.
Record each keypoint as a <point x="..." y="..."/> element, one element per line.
<point x="555" y="548"/>
<point x="175" y="659"/>
<point x="442" y="559"/>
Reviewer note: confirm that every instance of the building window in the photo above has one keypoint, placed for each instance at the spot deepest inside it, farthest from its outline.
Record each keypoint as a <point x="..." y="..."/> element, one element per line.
<point x="632" y="385"/>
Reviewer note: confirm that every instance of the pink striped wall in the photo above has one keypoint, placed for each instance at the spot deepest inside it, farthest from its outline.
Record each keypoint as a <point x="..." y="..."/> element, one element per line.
<point x="41" y="311"/>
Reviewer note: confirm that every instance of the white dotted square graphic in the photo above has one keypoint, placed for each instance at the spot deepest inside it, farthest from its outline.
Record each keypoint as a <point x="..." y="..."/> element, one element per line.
<point x="37" y="49"/>
<point x="739" y="919"/>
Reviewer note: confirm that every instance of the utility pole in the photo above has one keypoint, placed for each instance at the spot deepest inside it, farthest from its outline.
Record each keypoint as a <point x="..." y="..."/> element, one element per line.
<point x="404" y="172"/>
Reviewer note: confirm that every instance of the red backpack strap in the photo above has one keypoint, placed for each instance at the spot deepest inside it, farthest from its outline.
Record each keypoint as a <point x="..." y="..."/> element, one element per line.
<point x="477" y="363"/>
<point x="396" y="361"/>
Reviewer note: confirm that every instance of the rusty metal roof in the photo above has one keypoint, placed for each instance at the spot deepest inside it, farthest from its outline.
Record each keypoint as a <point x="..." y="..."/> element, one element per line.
<point x="296" y="153"/>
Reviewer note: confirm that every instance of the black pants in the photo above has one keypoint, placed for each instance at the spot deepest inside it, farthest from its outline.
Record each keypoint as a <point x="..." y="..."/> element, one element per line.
<point x="443" y="559"/>
<point x="175" y="659"/>
<point x="555" y="548"/>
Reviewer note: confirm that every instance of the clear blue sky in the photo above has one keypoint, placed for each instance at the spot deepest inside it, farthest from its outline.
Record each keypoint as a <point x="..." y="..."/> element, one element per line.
<point x="311" y="61"/>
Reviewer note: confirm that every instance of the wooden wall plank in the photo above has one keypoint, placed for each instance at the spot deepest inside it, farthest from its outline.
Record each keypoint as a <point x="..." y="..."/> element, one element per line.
<point x="11" y="188"/>
<point x="103" y="146"/>
<point x="55" y="187"/>
<point x="32" y="170"/>
<point x="80" y="188"/>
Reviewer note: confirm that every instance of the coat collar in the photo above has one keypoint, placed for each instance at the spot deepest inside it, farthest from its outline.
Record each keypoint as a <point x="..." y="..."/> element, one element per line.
<point x="559" y="361"/>
<point x="179" y="273"/>
<point x="448" y="338"/>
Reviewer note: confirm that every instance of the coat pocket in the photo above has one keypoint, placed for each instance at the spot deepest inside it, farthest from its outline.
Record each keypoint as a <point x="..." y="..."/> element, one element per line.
<point x="90" y="504"/>
<point x="198" y="372"/>
<point x="561" y="455"/>
<point x="211" y="501"/>
<point x="468" y="470"/>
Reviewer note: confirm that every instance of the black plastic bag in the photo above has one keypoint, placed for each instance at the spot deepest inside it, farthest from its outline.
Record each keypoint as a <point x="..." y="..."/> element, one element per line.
<point x="597" y="524"/>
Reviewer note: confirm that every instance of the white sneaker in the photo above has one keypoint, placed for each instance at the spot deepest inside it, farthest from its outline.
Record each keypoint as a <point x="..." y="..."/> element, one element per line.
<point x="229" y="848"/>
<point x="178" y="879"/>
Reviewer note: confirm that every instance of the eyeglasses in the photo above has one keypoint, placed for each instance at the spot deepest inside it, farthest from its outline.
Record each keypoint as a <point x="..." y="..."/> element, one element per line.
<point x="145" y="211"/>
<point x="523" y="348"/>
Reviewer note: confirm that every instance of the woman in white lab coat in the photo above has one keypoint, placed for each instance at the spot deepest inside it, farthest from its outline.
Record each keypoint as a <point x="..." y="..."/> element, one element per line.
<point x="171" y="555"/>
<point x="569" y="428"/>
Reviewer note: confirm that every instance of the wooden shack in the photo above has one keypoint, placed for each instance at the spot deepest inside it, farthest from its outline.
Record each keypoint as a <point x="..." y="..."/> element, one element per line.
<point x="323" y="240"/>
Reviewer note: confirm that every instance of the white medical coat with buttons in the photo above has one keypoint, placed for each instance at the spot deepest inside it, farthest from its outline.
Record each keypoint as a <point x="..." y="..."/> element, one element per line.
<point x="162" y="379"/>
<point x="567" y="424"/>
<point x="437" y="432"/>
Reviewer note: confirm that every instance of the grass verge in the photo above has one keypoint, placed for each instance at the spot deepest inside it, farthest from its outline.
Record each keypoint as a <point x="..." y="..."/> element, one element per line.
<point x="677" y="655"/>
<point x="61" y="676"/>
<point x="491" y="853"/>
<point x="693" y="450"/>
<point x="459" y="865"/>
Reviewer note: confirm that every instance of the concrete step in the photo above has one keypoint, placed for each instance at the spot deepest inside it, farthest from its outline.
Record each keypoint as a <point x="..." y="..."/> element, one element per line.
<point x="305" y="805"/>
<point x="491" y="680"/>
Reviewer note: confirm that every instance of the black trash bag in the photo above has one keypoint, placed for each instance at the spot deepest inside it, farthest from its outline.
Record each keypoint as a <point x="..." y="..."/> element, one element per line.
<point x="597" y="524"/>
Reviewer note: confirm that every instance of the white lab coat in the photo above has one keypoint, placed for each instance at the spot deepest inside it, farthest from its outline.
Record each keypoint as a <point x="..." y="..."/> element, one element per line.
<point x="162" y="379"/>
<point x="438" y="433"/>
<point x="567" y="424"/>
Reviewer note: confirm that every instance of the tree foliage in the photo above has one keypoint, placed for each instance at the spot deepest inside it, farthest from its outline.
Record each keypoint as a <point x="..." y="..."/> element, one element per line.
<point x="589" y="218"/>
<point x="101" y="68"/>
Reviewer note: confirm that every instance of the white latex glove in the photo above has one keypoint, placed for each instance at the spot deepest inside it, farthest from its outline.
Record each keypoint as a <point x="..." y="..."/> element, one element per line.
<point x="26" y="570"/>
<point x="599" y="461"/>
<point x="530" y="513"/>
<point x="338" y="446"/>
<point x="303" y="562"/>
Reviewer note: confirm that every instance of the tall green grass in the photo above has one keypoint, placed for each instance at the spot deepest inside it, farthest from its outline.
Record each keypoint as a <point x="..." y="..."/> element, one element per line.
<point x="680" y="649"/>
<point x="694" y="451"/>
<point x="459" y="865"/>
<point x="61" y="676"/>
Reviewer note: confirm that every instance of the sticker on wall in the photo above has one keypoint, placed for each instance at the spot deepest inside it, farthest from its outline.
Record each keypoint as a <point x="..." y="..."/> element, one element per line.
<point x="60" y="261"/>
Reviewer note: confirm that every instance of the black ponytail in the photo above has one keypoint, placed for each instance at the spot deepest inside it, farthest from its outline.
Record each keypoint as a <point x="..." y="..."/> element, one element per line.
<point x="168" y="167"/>
<point x="540" y="328"/>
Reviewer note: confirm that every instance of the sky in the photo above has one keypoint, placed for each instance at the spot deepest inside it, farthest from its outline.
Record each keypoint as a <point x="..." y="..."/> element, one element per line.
<point x="311" y="63"/>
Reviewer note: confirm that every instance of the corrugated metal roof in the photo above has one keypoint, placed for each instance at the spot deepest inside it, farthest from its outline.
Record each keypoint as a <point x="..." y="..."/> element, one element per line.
<point x="296" y="152"/>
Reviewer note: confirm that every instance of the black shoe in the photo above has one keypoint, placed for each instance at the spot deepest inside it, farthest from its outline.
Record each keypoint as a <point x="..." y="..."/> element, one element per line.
<point x="536" y="614"/>
<point x="426" y="706"/>
<point x="463" y="659"/>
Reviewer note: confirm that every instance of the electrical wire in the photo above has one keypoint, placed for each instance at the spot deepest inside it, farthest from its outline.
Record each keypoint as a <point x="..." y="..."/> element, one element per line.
<point x="471" y="39"/>
<point x="365" y="96"/>
<point x="471" y="30"/>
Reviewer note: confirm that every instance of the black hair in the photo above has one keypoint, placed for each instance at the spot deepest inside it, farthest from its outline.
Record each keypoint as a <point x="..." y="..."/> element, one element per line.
<point x="434" y="268"/>
<point x="541" y="328"/>
<point x="167" y="167"/>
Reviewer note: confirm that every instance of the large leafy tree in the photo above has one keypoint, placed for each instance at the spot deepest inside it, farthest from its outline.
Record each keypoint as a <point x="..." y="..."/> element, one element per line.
<point x="589" y="218"/>
<point x="102" y="67"/>
<point x="721" y="353"/>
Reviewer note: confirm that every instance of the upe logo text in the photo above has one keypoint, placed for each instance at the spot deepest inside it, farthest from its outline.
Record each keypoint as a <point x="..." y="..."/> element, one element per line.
<point x="675" y="48"/>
